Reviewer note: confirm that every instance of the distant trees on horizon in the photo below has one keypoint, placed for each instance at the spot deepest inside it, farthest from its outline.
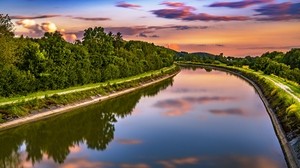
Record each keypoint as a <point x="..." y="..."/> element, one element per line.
<point x="285" y="65"/>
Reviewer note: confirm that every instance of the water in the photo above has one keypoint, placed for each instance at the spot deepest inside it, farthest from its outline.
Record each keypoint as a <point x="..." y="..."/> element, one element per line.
<point x="200" y="118"/>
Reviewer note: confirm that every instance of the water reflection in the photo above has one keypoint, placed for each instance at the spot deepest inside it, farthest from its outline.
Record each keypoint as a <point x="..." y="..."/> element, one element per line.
<point x="57" y="137"/>
<point x="180" y="106"/>
<point x="206" y="119"/>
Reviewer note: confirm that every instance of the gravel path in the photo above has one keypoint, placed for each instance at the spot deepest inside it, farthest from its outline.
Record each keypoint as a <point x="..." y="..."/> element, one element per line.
<point x="285" y="88"/>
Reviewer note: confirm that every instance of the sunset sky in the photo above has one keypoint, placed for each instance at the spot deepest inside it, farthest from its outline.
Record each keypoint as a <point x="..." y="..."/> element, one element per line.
<point x="235" y="28"/>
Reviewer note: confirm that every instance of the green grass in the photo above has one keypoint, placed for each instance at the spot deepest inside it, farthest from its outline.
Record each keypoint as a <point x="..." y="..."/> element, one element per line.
<point x="294" y="87"/>
<point x="42" y="94"/>
<point x="22" y="108"/>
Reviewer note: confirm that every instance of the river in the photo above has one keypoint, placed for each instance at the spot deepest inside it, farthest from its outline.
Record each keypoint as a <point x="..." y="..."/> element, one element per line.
<point x="200" y="118"/>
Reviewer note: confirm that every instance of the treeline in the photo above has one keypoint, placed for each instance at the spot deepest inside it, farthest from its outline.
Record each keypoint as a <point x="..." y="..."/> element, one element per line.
<point x="285" y="65"/>
<point x="29" y="65"/>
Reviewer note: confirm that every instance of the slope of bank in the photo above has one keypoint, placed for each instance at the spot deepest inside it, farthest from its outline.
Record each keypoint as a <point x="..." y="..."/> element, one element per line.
<point x="280" y="105"/>
<point x="15" y="114"/>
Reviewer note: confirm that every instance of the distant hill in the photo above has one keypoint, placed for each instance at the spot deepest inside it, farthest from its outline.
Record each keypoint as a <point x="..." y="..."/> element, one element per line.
<point x="203" y="54"/>
<point x="181" y="56"/>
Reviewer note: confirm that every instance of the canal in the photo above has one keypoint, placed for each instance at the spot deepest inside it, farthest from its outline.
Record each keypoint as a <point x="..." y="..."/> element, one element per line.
<point x="199" y="118"/>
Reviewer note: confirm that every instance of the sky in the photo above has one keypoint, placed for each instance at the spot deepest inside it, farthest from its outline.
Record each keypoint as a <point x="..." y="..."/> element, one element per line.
<point x="234" y="28"/>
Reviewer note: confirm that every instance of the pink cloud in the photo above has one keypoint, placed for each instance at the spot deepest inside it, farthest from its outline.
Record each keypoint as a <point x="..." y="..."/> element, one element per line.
<point x="127" y="5"/>
<point x="183" y="12"/>
<point x="239" y="4"/>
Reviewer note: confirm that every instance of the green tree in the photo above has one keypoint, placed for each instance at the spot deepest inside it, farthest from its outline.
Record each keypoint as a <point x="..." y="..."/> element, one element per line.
<point x="6" y="26"/>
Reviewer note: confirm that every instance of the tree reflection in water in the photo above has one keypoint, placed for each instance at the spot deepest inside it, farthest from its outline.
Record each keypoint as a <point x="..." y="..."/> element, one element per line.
<point x="53" y="137"/>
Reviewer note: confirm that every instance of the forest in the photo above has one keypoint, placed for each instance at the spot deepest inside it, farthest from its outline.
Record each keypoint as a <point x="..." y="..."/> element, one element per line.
<point x="285" y="65"/>
<point x="37" y="64"/>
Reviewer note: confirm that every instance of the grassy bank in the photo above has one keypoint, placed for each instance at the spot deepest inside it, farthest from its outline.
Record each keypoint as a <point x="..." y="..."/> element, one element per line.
<point x="13" y="108"/>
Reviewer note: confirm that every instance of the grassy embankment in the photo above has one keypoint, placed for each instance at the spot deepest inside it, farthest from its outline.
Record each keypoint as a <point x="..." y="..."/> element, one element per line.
<point x="286" y="107"/>
<point x="16" y="107"/>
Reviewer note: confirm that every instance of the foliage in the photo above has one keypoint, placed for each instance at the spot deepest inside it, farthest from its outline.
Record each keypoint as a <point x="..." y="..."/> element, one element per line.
<point x="6" y="26"/>
<point x="30" y="65"/>
<point x="285" y="65"/>
<point x="16" y="110"/>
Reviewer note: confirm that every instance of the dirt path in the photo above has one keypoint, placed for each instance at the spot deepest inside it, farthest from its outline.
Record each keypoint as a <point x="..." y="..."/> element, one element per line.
<point x="285" y="88"/>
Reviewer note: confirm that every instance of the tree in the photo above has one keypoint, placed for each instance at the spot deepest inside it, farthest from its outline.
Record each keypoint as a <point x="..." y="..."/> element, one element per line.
<point x="8" y="48"/>
<point x="98" y="42"/>
<point x="292" y="58"/>
<point x="118" y="41"/>
<point x="6" y="26"/>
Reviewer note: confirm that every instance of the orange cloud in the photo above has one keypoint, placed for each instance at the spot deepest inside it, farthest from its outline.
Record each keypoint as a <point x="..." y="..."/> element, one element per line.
<point x="84" y="163"/>
<point x="49" y="27"/>
<point x="69" y="37"/>
<point x="27" y="23"/>
<point x="179" y="107"/>
<point x="173" y="163"/>
<point x="173" y="47"/>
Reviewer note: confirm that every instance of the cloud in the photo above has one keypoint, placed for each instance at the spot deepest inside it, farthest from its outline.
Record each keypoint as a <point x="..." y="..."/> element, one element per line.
<point x="27" y="23"/>
<point x="38" y="30"/>
<point x="127" y="30"/>
<point x="49" y="27"/>
<point x="202" y="100"/>
<point x="78" y="34"/>
<point x="279" y="12"/>
<point x="142" y="35"/>
<point x="33" y="17"/>
<point x="178" y="27"/>
<point x="78" y="163"/>
<point x="172" y="13"/>
<point x="146" y="31"/>
<point x="183" y="12"/>
<point x="179" y="5"/>
<point x="181" y="106"/>
<point x="139" y="165"/>
<point x="127" y="5"/>
<point x="239" y="4"/>
<point x="173" y="163"/>
<point x="129" y="141"/>
<point x="232" y="111"/>
<point x="207" y="17"/>
<point x="32" y="26"/>
<point x="92" y="19"/>
<point x="196" y="47"/>
<point x="223" y="161"/>
<point x="154" y="36"/>
<point x="187" y="90"/>
<point x="175" y="47"/>
<point x="270" y="47"/>
<point x="173" y="4"/>
<point x="69" y="37"/>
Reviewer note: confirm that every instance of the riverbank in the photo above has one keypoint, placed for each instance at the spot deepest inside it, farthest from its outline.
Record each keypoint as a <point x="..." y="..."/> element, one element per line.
<point x="263" y="89"/>
<point x="58" y="104"/>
